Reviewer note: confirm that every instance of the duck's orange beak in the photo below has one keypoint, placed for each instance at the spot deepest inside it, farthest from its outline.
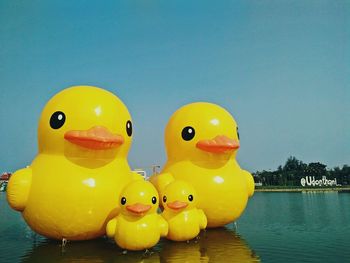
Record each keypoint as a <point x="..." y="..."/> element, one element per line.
<point x="138" y="208"/>
<point x="96" y="138"/>
<point x="220" y="144"/>
<point x="176" y="205"/>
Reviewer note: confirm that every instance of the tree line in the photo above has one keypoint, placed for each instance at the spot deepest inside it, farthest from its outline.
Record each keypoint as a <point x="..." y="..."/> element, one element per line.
<point x="293" y="170"/>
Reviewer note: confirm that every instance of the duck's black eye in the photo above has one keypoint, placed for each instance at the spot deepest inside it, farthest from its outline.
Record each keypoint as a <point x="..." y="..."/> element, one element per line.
<point x="190" y="198"/>
<point x="129" y="128"/>
<point x="123" y="200"/>
<point x="188" y="133"/>
<point x="237" y="132"/>
<point x="57" y="120"/>
<point x="164" y="199"/>
<point x="154" y="200"/>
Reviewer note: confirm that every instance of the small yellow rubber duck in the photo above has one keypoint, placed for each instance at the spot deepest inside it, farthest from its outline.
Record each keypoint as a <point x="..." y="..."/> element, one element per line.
<point x="71" y="188"/>
<point x="201" y="142"/>
<point x="185" y="221"/>
<point x="138" y="226"/>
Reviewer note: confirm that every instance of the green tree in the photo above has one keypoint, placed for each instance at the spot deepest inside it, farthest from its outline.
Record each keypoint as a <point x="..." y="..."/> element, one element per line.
<point x="316" y="169"/>
<point x="293" y="170"/>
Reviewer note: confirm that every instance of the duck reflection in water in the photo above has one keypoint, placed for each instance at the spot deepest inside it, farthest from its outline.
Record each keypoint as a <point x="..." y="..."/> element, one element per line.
<point x="213" y="245"/>
<point x="92" y="251"/>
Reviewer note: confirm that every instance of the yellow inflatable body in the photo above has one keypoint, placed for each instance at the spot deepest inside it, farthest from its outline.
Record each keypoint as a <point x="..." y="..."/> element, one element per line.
<point x="138" y="226"/>
<point x="202" y="141"/>
<point x="185" y="221"/>
<point x="72" y="187"/>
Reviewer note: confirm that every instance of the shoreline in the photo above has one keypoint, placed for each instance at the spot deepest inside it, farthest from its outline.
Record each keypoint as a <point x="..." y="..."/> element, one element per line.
<point x="298" y="189"/>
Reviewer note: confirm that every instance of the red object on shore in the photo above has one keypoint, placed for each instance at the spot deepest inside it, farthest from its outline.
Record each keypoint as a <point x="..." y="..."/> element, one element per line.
<point x="5" y="176"/>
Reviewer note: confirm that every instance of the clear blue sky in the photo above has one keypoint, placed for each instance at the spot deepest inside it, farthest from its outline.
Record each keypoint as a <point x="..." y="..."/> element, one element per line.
<point x="282" y="68"/>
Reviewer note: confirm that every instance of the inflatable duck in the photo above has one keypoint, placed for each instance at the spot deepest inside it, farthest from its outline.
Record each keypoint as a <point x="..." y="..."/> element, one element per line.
<point x="201" y="142"/>
<point x="71" y="188"/>
<point x="184" y="219"/>
<point x="138" y="226"/>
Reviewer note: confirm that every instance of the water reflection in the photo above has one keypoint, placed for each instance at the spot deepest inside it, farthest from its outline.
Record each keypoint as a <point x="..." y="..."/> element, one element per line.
<point x="215" y="245"/>
<point x="281" y="227"/>
<point x="223" y="245"/>
<point x="99" y="250"/>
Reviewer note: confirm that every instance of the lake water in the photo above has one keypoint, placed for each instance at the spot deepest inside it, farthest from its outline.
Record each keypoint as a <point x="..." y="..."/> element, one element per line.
<point x="276" y="227"/>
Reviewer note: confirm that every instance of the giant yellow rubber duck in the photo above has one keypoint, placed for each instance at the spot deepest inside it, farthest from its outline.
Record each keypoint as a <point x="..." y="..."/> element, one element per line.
<point x="71" y="189"/>
<point x="138" y="226"/>
<point x="185" y="221"/>
<point x="201" y="142"/>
